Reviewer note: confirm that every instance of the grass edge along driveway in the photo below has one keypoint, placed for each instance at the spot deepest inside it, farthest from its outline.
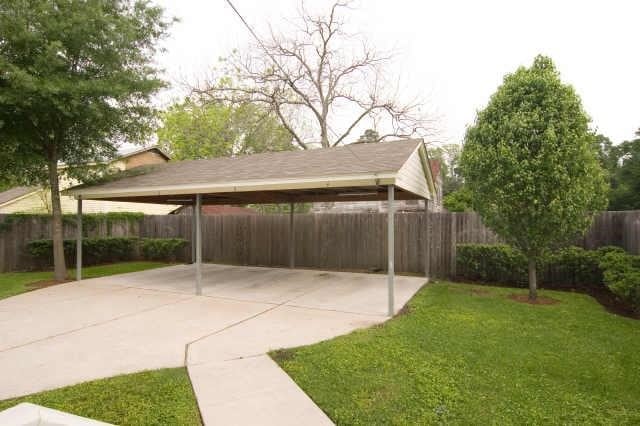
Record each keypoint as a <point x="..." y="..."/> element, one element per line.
<point x="157" y="397"/>
<point x="466" y="354"/>
<point x="151" y="397"/>
<point x="14" y="283"/>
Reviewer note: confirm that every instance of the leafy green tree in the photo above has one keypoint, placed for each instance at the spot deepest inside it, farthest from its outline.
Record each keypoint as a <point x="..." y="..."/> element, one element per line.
<point x="449" y="158"/>
<point x="458" y="200"/>
<point x="76" y="78"/>
<point x="625" y="176"/>
<point x="369" y="136"/>
<point x="194" y="130"/>
<point x="607" y="153"/>
<point x="622" y="163"/>
<point x="5" y="184"/>
<point x="530" y="163"/>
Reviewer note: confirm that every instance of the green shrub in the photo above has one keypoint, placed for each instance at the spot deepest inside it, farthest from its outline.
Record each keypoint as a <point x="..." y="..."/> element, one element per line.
<point x="622" y="276"/>
<point x="94" y="250"/>
<point x="498" y="263"/>
<point x="572" y="267"/>
<point x="162" y="248"/>
<point x="97" y="251"/>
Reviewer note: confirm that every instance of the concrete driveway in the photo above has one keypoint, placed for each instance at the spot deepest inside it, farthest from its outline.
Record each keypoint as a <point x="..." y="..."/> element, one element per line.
<point x="103" y="327"/>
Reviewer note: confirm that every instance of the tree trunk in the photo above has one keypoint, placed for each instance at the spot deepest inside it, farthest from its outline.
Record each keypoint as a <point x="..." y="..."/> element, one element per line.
<point x="324" y="135"/>
<point x="60" y="268"/>
<point x="533" y="286"/>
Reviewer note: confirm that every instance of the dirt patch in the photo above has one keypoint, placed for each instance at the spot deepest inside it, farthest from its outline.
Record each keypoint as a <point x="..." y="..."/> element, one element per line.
<point x="45" y="283"/>
<point x="282" y="355"/>
<point x="406" y="310"/>
<point x="540" y="300"/>
<point x="482" y="292"/>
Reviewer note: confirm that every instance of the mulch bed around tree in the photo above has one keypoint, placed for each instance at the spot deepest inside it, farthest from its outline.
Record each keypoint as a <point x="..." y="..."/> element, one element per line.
<point x="602" y="295"/>
<point x="540" y="300"/>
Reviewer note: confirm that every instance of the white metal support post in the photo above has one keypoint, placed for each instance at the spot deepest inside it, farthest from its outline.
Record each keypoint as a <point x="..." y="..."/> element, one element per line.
<point x="198" y="209"/>
<point x="79" y="241"/>
<point x="193" y="233"/>
<point x="390" y="249"/>
<point x="292" y="238"/>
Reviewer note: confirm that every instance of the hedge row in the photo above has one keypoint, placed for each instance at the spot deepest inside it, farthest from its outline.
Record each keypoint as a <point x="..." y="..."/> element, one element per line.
<point x="622" y="276"/>
<point x="571" y="267"/>
<point x="107" y="250"/>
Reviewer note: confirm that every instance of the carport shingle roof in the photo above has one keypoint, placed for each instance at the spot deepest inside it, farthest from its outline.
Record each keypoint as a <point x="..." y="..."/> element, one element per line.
<point x="346" y="160"/>
<point x="357" y="172"/>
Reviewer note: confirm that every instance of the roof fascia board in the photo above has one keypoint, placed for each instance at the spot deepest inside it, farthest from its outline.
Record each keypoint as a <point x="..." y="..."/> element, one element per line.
<point x="424" y="159"/>
<point x="241" y="186"/>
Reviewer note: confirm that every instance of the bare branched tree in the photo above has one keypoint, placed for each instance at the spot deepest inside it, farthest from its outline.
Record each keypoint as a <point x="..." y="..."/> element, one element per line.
<point x="320" y="81"/>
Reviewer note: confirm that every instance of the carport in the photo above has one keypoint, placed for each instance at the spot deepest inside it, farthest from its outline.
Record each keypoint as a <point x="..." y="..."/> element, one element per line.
<point x="360" y="172"/>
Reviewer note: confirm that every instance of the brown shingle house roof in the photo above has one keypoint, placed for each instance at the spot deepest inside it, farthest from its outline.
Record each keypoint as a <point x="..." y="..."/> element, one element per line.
<point x="16" y="192"/>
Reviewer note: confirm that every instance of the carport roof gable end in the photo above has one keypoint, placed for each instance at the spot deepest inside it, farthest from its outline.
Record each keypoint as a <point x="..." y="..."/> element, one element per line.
<point x="359" y="165"/>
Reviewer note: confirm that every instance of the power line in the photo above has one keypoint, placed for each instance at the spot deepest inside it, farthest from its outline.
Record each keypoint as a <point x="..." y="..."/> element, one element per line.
<point x="253" y="33"/>
<point x="275" y="61"/>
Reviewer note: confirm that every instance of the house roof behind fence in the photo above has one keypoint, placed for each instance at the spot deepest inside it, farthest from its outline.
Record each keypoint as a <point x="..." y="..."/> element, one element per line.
<point x="16" y="192"/>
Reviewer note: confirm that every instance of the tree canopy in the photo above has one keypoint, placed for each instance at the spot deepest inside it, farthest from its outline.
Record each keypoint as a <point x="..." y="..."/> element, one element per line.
<point x="531" y="165"/>
<point x="323" y="82"/>
<point x="622" y="163"/>
<point x="76" y="79"/>
<point x="193" y="130"/>
<point x="449" y="157"/>
<point x="369" y="136"/>
<point x="458" y="200"/>
<point x="625" y="191"/>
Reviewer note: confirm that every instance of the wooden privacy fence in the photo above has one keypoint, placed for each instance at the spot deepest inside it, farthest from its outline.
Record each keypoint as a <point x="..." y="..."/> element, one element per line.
<point x="329" y="241"/>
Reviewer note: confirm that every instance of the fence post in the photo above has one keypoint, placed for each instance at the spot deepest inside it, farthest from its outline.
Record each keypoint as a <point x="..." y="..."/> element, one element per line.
<point x="193" y="233"/>
<point x="292" y="238"/>
<point x="198" y="209"/>
<point x="454" y="236"/>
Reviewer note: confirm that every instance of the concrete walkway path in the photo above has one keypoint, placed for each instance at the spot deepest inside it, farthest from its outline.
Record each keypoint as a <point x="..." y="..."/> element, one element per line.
<point x="104" y="327"/>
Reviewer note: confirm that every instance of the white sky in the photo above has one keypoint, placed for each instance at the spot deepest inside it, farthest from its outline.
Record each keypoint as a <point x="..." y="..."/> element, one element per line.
<point x="452" y="53"/>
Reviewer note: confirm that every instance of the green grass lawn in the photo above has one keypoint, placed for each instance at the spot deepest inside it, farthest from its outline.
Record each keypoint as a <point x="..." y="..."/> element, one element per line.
<point x="12" y="283"/>
<point x="159" y="397"/>
<point x="467" y="354"/>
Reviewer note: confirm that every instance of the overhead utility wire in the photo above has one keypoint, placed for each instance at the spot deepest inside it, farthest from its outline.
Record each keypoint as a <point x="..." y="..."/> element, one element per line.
<point x="275" y="61"/>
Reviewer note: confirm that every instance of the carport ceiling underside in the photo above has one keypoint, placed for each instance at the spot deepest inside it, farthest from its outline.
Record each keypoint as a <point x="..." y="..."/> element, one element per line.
<point x="360" y="172"/>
